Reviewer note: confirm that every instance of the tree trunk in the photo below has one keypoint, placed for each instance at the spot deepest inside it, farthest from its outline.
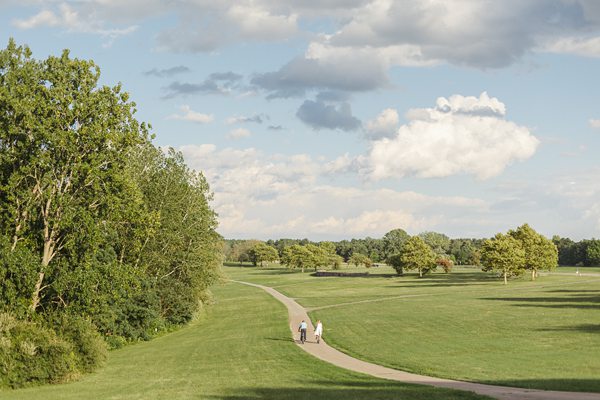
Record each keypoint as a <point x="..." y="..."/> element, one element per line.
<point x="505" y="280"/>
<point x="533" y="274"/>
<point x="46" y="257"/>
<point x="420" y="273"/>
<point x="35" y="297"/>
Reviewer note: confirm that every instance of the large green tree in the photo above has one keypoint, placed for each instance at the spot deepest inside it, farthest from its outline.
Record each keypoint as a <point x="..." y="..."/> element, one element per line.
<point x="262" y="252"/>
<point x="504" y="254"/>
<point x="540" y="252"/>
<point x="297" y="256"/>
<point x="183" y="253"/>
<point x="439" y="243"/>
<point x="393" y="242"/>
<point x="64" y="145"/>
<point x="416" y="255"/>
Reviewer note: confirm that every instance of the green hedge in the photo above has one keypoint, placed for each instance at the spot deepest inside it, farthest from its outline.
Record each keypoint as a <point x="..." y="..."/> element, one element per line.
<point x="31" y="353"/>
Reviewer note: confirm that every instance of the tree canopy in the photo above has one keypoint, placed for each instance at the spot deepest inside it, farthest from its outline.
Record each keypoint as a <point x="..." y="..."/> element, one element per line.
<point x="504" y="254"/>
<point x="95" y="222"/>
<point x="416" y="255"/>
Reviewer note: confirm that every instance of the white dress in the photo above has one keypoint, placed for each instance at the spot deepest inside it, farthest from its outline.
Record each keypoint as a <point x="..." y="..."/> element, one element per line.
<point x="319" y="329"/>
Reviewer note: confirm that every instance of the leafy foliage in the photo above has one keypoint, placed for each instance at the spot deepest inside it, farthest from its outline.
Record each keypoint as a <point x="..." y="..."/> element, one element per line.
<point x="504" y="254"/>
<point x="100" y="231"/>
<point x="416" y="254"/>
<point x="540" y="253"/>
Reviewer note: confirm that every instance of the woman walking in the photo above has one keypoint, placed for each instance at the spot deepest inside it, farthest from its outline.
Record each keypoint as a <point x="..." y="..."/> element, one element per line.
<point x="318" y="331"/>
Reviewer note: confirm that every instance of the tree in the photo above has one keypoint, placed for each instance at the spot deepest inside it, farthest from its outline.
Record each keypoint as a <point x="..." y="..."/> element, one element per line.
<point x="396" y="262"/>
<point x="439" y="243"/>
<point x="503" y="253"/>
<point x="540" y="253"/>
<point x="592" y="252"/>
<point x="64" y="145"/>
<point x="319" y="256"/>
<point x="262" y="252"/>
<point x="416" y="254"/>
<point x="358" y="259"/>
<point x="393" y="242"/>
<point x="297" y="256"/>
<point x="445" y="263"/>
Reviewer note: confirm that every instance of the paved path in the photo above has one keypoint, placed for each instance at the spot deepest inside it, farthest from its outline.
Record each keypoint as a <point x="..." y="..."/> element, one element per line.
<point x="323" y="351"/>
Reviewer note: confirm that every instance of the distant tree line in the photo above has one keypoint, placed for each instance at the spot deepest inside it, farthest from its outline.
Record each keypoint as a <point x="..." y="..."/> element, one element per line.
<point x="462" y="251"/>
<point x="104" y="238"/>
<point x="459" y="251"/>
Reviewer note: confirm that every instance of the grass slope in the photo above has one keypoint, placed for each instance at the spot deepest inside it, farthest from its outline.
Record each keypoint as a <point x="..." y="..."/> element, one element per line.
<point x="465" y="325"/>
<point x="240" y="350"/>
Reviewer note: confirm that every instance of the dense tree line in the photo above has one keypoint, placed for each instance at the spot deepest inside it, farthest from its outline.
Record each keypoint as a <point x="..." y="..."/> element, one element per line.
<point x="461" y="251"/>
<point x="104" y="238"/>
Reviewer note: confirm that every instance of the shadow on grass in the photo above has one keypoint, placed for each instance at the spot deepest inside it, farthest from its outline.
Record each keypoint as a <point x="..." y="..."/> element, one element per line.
<point x="350" y="390"/>
<point x="561" y="385"/>
<point x="282" y="339"/>
<point x="585" y="328"/>
<point x="583" y="301"/>
<point x="447" y="280"/>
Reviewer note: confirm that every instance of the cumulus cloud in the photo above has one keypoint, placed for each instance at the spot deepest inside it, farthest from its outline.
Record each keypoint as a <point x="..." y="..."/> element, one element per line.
<point x="459" y="135"/>
<point x="289" y="196"/>
<point x="192" y="116"/>
<point x="384" y="126"/>
<point x="412" y="32"/>
<point x="595" y="123"/>
<point x="71" y="19"/>
<point x="239" y="133"/>
<point x="206" y="26"/>
<point x="167" y="72"/>
<point x="319" y="115"/>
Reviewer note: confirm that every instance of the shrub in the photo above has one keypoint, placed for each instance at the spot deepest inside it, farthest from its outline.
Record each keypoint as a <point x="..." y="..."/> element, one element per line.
<point x="33" y="354"/>
<point x="445" y="263"/>
<point x="89" y="347"/>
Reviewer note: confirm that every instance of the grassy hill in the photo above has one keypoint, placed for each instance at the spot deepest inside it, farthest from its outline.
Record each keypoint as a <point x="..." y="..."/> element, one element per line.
<point x="241" y="349"/>
<point x="465" y="325"/>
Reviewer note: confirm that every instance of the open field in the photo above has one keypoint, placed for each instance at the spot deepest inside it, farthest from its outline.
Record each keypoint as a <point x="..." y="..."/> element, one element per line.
<point x="465" y="325"/>
<point x="240" y="350"/>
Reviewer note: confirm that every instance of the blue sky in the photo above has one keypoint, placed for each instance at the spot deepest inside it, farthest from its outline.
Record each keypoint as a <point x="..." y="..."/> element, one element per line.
<point x="338" y="119"/>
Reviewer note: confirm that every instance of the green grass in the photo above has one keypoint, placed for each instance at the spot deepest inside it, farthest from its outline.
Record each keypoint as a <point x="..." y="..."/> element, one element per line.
<point x="466" y="325"/>
<point x="241" y="349"/>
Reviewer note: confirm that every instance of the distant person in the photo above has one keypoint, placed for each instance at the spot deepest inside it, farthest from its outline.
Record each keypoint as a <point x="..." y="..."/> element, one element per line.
<point x="302" y="329"/>
<point x="318" y="331"/>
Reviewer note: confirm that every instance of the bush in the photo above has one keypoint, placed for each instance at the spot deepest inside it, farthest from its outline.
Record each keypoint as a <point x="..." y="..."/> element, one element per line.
<point x="32" y="354"/>
<point x="445" y="263"/>
<point x="90" y="349"/>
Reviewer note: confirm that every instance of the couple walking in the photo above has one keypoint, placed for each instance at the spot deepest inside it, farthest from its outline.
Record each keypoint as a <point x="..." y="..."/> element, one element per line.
<point x="302" y="329"/>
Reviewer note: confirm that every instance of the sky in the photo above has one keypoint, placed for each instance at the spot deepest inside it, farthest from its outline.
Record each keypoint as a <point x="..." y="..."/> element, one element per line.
<point x="340" y="119"/>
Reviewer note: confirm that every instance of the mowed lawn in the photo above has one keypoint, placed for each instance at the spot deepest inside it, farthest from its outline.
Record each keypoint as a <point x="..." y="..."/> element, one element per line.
<point x="241" y="349"/>
<point x="465" y="325"/>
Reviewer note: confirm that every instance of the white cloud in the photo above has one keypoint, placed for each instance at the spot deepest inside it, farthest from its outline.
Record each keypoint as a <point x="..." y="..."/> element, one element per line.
<point x="43" y="18"/>
<point x="460" y="135"/>
<point x="192" y="116"/>
<point x="71" y="19"/>
<point x="259" y="23"/>
<point x="385" y="125"/>
<point x="239" y="133"/>
<point x="582" y="46"/>
<point x="595" y="123"/>
<point x="287" y="196"/>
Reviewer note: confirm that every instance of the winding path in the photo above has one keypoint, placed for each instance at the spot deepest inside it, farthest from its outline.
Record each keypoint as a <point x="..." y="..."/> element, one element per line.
<point x="327" y="353"/>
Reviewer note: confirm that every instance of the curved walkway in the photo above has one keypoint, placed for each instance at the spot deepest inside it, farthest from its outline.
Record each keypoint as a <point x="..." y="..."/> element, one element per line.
<point x="326" y="353"/>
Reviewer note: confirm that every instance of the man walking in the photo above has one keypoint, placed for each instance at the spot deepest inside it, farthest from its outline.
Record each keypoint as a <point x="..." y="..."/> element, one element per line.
<point x="302" y="330"/>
